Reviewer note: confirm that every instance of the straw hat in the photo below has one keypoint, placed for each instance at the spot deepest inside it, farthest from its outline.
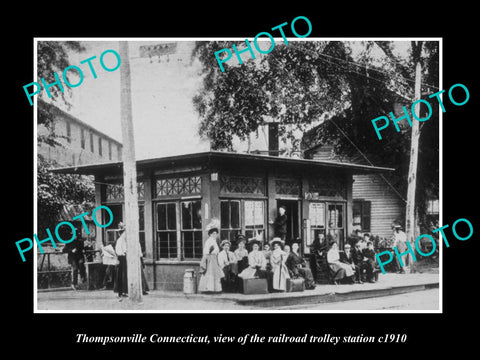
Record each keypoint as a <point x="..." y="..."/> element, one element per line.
<point x="276" y="240"/>
<point x="225" y="242"/>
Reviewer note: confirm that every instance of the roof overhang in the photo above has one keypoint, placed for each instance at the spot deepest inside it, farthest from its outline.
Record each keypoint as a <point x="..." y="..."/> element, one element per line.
<point x="221" y="159"/>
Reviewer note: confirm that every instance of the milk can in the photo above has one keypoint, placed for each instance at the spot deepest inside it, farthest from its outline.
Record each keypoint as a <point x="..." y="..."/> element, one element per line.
<point x="189" y="282"/>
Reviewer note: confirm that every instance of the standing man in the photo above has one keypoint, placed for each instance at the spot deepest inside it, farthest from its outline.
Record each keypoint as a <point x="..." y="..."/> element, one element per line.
<point x="74" y="251"/>
<point x="280" y="224"/>
<point x="400" y="241"/>
<point x="121" y="284"/>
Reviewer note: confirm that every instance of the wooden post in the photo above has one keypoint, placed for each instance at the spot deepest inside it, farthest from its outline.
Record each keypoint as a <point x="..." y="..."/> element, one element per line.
<point x="412" y="171"/>
<point x="130" y="181"/>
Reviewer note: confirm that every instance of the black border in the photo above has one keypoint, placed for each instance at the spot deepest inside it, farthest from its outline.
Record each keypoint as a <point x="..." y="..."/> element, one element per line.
<point x="426" y="332"/>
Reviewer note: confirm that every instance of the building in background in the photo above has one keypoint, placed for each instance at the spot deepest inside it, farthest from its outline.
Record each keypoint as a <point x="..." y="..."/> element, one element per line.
<point x="80" y="142"/>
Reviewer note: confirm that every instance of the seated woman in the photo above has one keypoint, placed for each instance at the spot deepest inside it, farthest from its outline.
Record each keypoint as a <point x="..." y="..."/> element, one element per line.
<point x="277" y="260"/>
<point x="228" y="263"/>
<point x="340" y="270"/>
<point x="211" y="273"/>
<point x="298" y="268"/>
<point x="257" y="264"/>
<point x="241" y="254"/>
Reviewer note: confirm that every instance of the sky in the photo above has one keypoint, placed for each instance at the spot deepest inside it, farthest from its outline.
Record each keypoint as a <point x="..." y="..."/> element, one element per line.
<point x="164" y="119"/>
<point x="165" y="122"/>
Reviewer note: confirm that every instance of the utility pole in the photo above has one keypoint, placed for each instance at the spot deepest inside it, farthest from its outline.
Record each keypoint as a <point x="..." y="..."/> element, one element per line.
<point x="130" y="181"/>
<point x="412" y="171"/>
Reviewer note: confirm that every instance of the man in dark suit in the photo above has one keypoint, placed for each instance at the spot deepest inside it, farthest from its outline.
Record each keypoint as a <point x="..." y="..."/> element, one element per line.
<point x="74" y="251"/>
<point x="359" y="261"/>
<point x="280" y="223"/>
<point x="369" y="255"/>
<point x="346" y="256"/>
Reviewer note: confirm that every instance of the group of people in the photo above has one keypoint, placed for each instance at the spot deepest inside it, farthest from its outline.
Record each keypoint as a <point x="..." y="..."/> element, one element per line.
<point x="222" y="269"/>
<point x="350" y="264"/>
<point x="119" y="271"/>
<point x="116" y="275"/>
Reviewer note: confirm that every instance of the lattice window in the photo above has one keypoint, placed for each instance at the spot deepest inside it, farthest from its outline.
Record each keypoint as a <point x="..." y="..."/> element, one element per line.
<point x="242" y="185"/>
<point x="287" y="187"/>
<point x="328" y="187"/>
<point x="114" y="192"/>
<point x="179" y="186"/>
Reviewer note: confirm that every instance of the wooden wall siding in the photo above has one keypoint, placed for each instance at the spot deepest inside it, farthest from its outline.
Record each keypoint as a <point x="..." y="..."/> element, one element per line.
<point x="385" y="204"/>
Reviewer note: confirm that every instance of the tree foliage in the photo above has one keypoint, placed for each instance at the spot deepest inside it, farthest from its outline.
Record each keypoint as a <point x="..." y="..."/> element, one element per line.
<point x="56" y="190"/>
<point x="53" y="57"/>
<point x="302" y="82"/>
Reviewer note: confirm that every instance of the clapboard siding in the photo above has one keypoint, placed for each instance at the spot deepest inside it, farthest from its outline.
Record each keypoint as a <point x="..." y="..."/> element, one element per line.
<point x="386" y="206"/>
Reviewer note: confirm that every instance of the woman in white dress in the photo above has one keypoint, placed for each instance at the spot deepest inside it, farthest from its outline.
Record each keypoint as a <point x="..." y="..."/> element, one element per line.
<point x="340" y="270"/>
<point x="278" y="258"/>
<point x="210" y="271"/>
<point x="257" y="264"/>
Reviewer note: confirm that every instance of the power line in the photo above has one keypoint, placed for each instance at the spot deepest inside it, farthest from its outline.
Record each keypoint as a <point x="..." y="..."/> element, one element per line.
<point x="310" y="52"/>
<point x="366" y="158"/>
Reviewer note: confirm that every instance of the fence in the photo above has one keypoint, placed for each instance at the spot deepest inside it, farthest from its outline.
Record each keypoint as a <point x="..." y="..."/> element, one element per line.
<point x="54" y="271"/>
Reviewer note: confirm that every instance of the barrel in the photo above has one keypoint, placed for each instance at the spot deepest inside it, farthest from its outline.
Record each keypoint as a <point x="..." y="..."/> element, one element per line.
<point x="189" y="282"/>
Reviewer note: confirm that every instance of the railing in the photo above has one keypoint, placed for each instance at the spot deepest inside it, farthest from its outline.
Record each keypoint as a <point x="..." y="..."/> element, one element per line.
<point x="54" y="271"/>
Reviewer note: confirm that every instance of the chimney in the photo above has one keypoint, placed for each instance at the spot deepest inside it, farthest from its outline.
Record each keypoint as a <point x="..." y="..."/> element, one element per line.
<point x="273" y="139"/>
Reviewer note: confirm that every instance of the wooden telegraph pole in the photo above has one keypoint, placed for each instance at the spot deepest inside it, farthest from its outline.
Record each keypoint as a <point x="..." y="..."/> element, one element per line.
<point x="412" y="171"/>
<point x="130" y="181"/>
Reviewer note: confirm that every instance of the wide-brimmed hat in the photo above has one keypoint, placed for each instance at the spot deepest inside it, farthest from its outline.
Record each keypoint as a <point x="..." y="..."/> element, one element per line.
<point x="225" y="242"/>
<point x="253" y="242"/>
<point x="276" y="240"/>
<point x="214" y="225"/>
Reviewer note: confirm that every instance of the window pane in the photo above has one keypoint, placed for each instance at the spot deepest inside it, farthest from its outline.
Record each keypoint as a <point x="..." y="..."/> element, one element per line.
<point x="188" y="244"/>
<point x="249" y="213"/>
<point x="192" y="244"/>
<point x="249" y="234"/>
<point x="197" y="214"/>
<point x="142" y="241"/>
<point x="366" y="223"/>
<point x="198" y="247"/>
<point x="254" y="214"/>
<point x="167" y="245"/>
<point x="171" y="217"/>
<point x="224" y="215"/>
<point x="332" y="216"/>
<point x="340" y="216"/>
<point x="117" y="216"/>
<point x="224" y="235"/>
<point x="357" y="208"/>
<point x="366" y="207"/>
<point x="141" y="218"/>
<point x="161" y="216"/>
<point x="187" y="215"/>
<point x="235" y="214"/>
